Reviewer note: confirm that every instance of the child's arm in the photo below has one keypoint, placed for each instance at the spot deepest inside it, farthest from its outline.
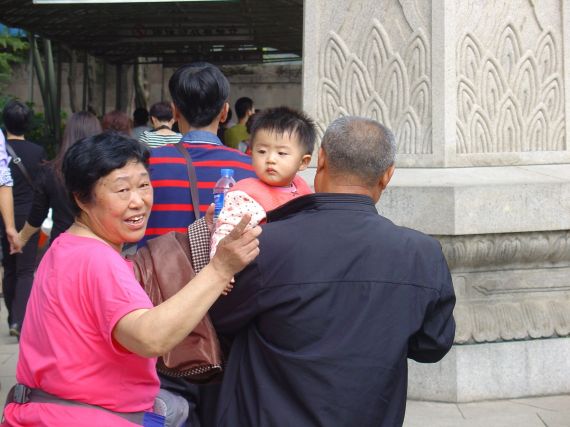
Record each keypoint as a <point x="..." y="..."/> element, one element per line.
<point x="236" y="204"/>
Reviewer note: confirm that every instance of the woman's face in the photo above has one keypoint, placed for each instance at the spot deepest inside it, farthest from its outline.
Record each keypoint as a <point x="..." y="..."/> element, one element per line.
<point x="120" y="206"/>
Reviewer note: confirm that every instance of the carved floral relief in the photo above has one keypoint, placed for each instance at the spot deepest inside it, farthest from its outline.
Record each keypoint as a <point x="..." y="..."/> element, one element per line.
<point x="379" y="82"/>
<point x="509" y="99"/>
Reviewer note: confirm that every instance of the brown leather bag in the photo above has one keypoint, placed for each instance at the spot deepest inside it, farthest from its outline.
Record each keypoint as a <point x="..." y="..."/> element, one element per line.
<point x="163" y="267"/>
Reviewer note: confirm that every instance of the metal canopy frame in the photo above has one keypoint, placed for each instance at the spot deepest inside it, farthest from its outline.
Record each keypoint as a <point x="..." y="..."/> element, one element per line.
<point x="248" y="31"/>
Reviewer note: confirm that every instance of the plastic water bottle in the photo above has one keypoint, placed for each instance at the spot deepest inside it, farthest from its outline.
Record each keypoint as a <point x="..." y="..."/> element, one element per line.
<point x="225" y="182"/>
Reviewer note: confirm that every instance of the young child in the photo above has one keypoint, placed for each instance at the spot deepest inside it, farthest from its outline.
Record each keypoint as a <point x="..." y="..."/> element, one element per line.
<point x="282" y="140"/>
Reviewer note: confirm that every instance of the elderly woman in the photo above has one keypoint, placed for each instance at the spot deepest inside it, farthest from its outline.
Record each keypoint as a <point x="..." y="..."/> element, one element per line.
<point x="91" y="335"/>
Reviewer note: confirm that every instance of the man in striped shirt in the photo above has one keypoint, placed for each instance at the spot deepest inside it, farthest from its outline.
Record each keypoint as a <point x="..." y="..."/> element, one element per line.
<point x="199" y="94"/>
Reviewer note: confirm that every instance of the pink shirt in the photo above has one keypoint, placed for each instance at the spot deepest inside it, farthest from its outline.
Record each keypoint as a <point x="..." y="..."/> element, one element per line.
<point x="81" y="289"/>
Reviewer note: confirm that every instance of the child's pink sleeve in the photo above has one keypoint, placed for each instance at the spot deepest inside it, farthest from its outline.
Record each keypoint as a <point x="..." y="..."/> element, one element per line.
<point x="236" y="205"/>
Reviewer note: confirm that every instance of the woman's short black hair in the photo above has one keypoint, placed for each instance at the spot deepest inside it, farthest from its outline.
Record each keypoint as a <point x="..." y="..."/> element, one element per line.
<point x="17" y="117"/>
<point x="95" y="157"/>
<point x="199" y="91"/>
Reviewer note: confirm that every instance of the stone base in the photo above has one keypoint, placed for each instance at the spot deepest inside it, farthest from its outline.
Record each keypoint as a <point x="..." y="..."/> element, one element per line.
<point x="504" y="232"/>
<point x="477" y="200"/>
<point x="488" y="371"/>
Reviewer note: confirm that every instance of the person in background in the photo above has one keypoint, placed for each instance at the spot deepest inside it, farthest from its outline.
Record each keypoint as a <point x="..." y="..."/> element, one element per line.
<point x="199" y="93"/>
<point x="162" y="121"/>
<point x="118" y="121"/>
<point x="26" y="160"/>
<point x="140" y="123"/>
<point x="91" y="337"/>
<point x="6" y="197"/>
<point x="245" y="146"/>
<point x="324" y="320"/>
<point x="223" y="126"/>
<point x="238" y="132"/>
<point x="49" y="189"/>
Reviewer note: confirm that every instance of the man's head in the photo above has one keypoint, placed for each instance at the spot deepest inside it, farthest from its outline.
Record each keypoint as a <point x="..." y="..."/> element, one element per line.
<point x="244" y="108"/>
<point x="161" y="113"/>
<point x="282" y="141"/>
<point x="140" y="117"/>
<point x="199" y="92"/>
<point x="17" y="117"/>
<point x="356" y="156"/>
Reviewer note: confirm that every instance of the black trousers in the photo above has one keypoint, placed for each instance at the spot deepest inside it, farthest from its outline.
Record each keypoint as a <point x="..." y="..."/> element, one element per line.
<point x="202" y="399"/>
<point x="188" y="391"/>
<point x="18" y="274"/>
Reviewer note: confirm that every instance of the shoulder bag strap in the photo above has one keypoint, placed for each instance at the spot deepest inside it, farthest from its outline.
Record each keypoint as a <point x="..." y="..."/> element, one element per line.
<point x="18" y="162"/>
<point x="191" y="178"/>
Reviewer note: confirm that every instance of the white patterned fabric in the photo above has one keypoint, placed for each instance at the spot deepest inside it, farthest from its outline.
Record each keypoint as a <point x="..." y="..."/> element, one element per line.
<point x="5" y="175"/>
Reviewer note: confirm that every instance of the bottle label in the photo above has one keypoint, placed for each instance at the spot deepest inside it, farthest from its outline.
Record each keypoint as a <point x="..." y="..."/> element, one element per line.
<point x="218" y="203"/>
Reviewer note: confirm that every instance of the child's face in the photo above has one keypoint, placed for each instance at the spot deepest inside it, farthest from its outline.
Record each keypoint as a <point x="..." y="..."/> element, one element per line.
<point x="276" y="158"/>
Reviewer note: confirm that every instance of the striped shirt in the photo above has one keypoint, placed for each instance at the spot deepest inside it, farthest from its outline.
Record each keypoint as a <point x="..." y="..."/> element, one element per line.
<point x="153" y="139"/>
<point x="172" y="209"/>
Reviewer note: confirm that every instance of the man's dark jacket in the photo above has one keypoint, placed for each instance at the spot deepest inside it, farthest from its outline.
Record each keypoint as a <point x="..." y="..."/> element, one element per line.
<point x="325" y="318"/>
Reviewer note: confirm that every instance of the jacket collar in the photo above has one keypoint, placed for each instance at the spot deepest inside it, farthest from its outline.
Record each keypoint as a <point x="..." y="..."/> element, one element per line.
<point x="322" y="201"/>
<point x="201" y="137"/>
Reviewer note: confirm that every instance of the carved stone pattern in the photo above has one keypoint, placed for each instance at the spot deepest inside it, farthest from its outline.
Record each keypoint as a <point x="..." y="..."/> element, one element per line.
<point x="510" y="99"/>
<point x="391" y="87"/>
<point x="495" y="250"/>
<point x="512" y="321"/>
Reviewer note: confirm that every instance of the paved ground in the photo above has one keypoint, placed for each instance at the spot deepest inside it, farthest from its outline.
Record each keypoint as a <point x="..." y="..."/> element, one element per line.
<point x="8" y="357"/>
<point x="553" y="411"/>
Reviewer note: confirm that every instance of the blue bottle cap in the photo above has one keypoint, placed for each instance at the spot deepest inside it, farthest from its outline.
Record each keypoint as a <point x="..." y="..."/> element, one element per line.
<point x="227" y="172"/>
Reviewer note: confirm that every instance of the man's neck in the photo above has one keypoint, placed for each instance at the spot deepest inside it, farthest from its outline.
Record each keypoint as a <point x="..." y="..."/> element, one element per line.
<point x="162" y="125"/>
<point x="243" y="121"/>
<point x="350" y="189"/>
<point x="185" y="128"/>
<point x="349" y="185"/>
<point x="12" y="136"/>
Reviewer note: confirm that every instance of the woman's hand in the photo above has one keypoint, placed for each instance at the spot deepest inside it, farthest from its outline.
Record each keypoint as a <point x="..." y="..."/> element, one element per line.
<point x="15" y="240"/>
<point x="237" y="249"/>
<point x="210" y="217"/>
<point x="153" y="332"/>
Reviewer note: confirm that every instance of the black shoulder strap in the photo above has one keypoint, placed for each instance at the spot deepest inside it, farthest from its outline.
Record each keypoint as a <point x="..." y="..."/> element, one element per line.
<point x="192" y="179"/>
<point x="18" y="162"/>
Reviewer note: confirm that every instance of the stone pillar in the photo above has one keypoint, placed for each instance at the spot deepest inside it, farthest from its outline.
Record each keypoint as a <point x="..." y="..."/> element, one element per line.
<point x="478" y="95"/>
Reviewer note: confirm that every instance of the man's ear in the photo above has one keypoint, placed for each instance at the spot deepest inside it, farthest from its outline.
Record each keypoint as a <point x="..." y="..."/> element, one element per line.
<point x="305" y="160"/>
<point x="175" y="112"/>
<point x="224" y="112"/>
<point x="320" y="181"/>
<point x="386" y="177"/>
<point x="321" y="159"/>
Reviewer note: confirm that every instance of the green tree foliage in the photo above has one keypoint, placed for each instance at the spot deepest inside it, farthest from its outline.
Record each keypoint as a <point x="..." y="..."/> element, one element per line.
<point x="12" y="51"/>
